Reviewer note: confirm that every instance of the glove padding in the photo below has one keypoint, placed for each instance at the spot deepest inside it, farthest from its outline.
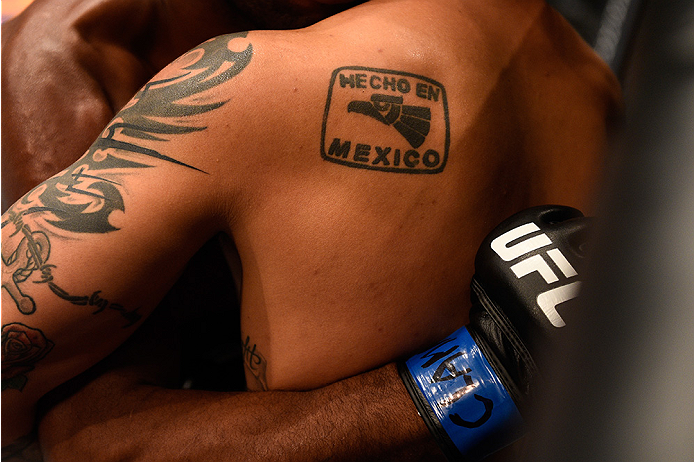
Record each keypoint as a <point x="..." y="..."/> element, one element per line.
<point x="472" y="387"/>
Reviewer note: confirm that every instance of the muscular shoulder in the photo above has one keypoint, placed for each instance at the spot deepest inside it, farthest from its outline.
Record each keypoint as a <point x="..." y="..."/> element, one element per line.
<point x="469" y="47"/>
<point x="282" y="115"/>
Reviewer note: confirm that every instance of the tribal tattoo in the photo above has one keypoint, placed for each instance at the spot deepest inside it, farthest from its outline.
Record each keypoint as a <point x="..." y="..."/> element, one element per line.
<point x="82" y="198"/>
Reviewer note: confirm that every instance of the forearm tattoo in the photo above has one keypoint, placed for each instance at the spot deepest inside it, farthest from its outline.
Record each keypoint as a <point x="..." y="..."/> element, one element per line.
<point x="81" y="199"/>
<point x="412" y="105"/>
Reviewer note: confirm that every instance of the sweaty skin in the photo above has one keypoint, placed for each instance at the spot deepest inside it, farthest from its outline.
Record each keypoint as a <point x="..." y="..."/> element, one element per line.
<point x="348" y="262"/>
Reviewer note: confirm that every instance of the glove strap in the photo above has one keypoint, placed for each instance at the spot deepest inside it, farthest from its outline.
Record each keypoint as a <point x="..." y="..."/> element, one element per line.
<point x="461" y="399"/>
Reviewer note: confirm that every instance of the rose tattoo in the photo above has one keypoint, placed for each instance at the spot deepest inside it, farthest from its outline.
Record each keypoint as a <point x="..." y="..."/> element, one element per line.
<point x="22" y="348"/>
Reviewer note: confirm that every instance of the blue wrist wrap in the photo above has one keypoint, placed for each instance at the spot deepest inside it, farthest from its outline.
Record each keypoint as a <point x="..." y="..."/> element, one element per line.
<point x="461" y="398"/>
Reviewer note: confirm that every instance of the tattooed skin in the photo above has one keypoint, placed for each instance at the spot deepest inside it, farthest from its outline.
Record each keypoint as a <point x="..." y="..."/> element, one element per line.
<point x="82" y="198"/>
<point x="25" y="252"/>
<point x="255" y="363"/>
<point x="414" y="105"/>
<point x="22" y="348"/>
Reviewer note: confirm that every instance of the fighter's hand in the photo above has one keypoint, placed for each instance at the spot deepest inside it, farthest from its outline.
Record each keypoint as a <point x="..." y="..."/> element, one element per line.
<point x="472" y="387"/>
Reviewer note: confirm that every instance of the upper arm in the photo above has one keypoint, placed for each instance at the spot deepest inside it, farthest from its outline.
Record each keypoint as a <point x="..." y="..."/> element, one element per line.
<point x="89" y="252"/>
<point x="80" y="61"/>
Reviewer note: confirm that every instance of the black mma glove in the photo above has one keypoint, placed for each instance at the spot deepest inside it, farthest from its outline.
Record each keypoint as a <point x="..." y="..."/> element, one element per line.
<point x="471" y="388"/>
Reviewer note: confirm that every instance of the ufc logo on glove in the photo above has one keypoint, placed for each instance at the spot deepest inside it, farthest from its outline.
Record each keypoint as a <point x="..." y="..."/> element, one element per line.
<point x="548" y="300"/>
<point x="471" y="388"/>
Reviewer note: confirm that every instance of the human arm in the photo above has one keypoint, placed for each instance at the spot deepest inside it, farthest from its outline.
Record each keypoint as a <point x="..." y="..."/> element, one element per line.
<point x="92" y="250"/>
<point x="365" y="417"/>
<point x="121" y="408"/>
<point x="283" y="126"/>
<point x="81" y="60"/>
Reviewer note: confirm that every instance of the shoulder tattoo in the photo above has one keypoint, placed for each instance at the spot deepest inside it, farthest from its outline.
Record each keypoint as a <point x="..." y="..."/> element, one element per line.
<point x="380" y="102"/>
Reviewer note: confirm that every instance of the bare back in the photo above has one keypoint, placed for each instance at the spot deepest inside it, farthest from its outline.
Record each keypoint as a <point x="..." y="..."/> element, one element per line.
<point x="356" y="166"/>
<point x="394" y="138"/>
